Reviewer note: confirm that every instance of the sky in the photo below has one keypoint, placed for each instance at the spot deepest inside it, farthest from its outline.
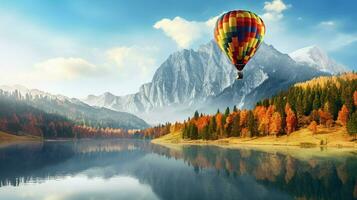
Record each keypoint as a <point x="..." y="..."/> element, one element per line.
<point x="81" y="47"/>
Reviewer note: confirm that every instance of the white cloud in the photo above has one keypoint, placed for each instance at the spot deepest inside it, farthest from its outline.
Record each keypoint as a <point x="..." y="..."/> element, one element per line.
<point x="64" y="69"/>
<point x="185" y="32"/>
<point x="275" y="6"/>
<point x="133" y="60"/>
<point x="274" y="10"/>
<point x="327" y="23"/>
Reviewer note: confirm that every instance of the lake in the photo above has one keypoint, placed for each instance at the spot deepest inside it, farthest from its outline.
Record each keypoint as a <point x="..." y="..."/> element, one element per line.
<point x="134" y="169"/>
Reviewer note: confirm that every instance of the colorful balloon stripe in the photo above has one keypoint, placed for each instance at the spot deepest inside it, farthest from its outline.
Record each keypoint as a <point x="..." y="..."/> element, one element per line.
<point x="239" y="34"/>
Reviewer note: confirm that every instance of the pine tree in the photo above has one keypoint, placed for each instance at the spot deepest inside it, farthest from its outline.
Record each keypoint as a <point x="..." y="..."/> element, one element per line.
<point x="205" y="132"/>
<point x="235" y="126"/>
<point x="316" y="103"/>
<point x="252" y="126"/>
<point x="196" y="115"/>
<point x="352" y="125"/>
<point x="194" y="134"/>
<point x="235" y="107"/>
<point x="226" y="113"/>
<point x="212" y="128"/>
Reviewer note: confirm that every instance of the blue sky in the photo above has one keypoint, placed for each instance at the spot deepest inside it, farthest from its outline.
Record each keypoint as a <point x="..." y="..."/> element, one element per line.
<point x="78" y="47"/>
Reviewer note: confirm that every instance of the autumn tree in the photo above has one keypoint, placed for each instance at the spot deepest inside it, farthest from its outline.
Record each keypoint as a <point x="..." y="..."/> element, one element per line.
<point x="262" y="120"/>
<point x="325" y="117"/>
<point x="219" y="119"/>
<point x="243" y="118"/>
<point x="275" y="126"/>
<point x="313" y="127"/>
<point x="343" y="115"/>
<point x="228" y="125"/>
<point x="290" y="119"/>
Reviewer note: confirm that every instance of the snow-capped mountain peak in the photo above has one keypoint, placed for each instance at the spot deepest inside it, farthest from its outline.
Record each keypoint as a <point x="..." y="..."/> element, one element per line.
<point x="32" y="92"/>
<point x="76" y="109"/>
<point x="315" y="57"/>
<point x="204" y="80"/>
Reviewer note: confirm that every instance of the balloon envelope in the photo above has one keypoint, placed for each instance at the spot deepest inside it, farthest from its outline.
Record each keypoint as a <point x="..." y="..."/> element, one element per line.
<point x="239" y="34"/>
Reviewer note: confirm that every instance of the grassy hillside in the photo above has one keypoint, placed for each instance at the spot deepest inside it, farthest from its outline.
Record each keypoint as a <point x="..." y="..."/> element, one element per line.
<point x="6" y="138"/>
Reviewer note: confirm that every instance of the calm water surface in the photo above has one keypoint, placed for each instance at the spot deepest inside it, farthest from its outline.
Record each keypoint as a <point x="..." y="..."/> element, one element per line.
<point x="132" y="169"/>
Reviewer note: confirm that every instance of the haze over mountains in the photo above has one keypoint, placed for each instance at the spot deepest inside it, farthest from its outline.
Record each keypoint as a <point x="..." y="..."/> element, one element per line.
<point x="76" y="110"/>
<point x="204" y="80"/>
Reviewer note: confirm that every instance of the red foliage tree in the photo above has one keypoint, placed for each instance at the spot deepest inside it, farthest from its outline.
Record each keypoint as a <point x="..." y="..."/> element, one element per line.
<point x="291" y="120"/>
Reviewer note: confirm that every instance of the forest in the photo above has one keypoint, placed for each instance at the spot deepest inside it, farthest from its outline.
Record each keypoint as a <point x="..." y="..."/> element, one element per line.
<point x="19" y="118"/>
<point x="324" y="101"/>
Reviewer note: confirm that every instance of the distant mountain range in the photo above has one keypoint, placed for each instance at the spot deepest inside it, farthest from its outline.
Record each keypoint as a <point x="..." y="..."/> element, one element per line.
<point x="315" y="57"/>
<point x="76" y="110"/>
<point x="204" y="80"/>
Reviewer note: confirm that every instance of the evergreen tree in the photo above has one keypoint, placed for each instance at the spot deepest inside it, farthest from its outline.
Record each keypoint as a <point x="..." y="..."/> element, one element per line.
<point x="184" y="132"/>
<point x="194" y="133"/>
<point x="205" y="132"/>
<point x="352" y="125"/>
<point x="316" y="103"/>
<point x="235" y="126"/>
<point x="196" y="115"/>
<point x="212" y="128"/>
<point x="252" y="126"/>
<point x="226" y="113"/>
<point x="235" y="108"/>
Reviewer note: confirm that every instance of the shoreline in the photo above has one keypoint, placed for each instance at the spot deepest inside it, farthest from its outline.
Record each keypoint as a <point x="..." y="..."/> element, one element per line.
<point x="327" y="138"/>
<point x="7" y="139"/>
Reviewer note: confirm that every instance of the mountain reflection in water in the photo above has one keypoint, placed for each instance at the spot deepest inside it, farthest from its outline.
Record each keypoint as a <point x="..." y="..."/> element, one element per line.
<point x="134" y="169"/>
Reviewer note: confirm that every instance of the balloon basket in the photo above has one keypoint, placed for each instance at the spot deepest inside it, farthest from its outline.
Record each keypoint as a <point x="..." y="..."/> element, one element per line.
<point x="240" y="75"/>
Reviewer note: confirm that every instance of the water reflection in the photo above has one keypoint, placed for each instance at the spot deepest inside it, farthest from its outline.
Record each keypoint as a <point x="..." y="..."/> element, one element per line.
<point x="133" y="169"/>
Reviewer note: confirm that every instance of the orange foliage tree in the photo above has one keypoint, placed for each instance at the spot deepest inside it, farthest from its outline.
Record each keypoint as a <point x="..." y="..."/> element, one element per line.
<point x="313" y="127"/>
<point x="291" y="120"/>
<point x="325" y="117"/>
<point x="275" y="125"/>
<point x="343" y="115"/>
<point x="243" y="118"/>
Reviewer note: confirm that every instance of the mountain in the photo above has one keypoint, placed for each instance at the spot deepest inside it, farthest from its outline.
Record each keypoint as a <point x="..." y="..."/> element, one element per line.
<point x="76" y="110"/>
<point x="315" y="57"/>
<point x="204" y="79"/>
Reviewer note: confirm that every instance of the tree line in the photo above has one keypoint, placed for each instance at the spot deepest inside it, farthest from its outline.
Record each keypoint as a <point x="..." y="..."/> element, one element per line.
<point x="323" y="101"/>
<point x="19" y="118"/>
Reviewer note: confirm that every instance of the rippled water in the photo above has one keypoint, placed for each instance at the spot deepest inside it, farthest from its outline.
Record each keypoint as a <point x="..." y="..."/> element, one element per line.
<point x="132" y="169"/>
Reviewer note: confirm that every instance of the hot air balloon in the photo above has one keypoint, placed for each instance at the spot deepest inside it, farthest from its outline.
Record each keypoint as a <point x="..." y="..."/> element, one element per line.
<point x="239" y="34"/>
